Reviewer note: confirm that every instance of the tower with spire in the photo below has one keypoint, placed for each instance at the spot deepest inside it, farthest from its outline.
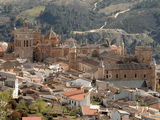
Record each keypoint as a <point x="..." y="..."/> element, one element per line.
<point x="122" y="48"/>
<point x="101" y="70"/>
<point x="154" y="75"/>
<point x="73" y="56"/>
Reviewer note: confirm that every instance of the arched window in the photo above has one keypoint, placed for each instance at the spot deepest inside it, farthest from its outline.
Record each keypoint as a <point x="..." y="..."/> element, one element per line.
<point x="116" y="75"/>
<point x="144" y="75"/>
<point x="24" y="43"/>
<point x="125" y="75"/>
<point x="27" y="43"/>
<point x="135" y="75"/>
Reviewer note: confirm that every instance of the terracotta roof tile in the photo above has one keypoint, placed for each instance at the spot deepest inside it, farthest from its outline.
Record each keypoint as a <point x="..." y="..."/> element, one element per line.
<point x="79" y="97"/>
<point x="125" y="119"/>
<point x="31" y="118"/>
<point x="86" y="110"/>
<point x="36" y="79"/>
<point x="71" y="93"/>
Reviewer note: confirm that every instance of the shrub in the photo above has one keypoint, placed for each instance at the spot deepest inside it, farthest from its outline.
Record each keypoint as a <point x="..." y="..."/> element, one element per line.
<point x="85" y="91"/>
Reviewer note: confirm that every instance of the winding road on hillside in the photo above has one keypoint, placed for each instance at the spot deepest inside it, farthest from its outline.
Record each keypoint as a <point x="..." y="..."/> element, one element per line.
<point x="121" y="12"/>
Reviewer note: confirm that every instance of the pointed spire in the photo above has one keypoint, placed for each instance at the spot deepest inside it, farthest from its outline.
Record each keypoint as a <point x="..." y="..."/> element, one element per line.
<point x="86" y="41"/>
<point x="122" y="48"/>
<point x="122" y="42"/>
<point x="52" y="33"/>
<point x="73" y="45"/>
<point x="101" y="64"/>
<point x="154" y="62"/>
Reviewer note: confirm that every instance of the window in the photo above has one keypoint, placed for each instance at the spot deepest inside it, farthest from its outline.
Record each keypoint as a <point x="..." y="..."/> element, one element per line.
<point x="116" y="75"/>
<point x="144" y="75"/>
<point x="125" y="75"/>
<point x="106" y="76"/>
<point x="135" y="75"/>
<point x="27" y="43"/>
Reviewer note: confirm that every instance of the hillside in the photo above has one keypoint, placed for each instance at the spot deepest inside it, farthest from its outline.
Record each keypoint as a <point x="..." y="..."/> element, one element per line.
<point x="138" y="17"/>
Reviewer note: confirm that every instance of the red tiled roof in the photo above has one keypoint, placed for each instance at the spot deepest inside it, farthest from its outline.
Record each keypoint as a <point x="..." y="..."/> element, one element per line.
<point x="31" y="118"/>
<point x="60" y="63"/>
<point x="125" y="119"/>
<point x="36" y="79"/>
<point x="79" y="97"/>
<point x="86" y="110"/>
<point x="73" y="92"/>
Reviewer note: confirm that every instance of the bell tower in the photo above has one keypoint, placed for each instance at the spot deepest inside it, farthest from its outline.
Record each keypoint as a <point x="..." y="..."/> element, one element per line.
<point x="101" y="70"/>
<point x="72" y="56"/>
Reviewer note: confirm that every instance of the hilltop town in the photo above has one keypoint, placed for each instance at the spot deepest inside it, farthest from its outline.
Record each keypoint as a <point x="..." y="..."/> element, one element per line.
<point x="43" y="78"/>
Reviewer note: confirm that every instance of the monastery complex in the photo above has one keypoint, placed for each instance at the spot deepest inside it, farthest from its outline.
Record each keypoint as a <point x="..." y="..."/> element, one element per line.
<point x="101" y="61"/>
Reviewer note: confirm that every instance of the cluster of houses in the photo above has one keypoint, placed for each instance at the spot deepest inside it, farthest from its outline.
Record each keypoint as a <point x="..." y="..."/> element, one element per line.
<point x="117" y="101"/>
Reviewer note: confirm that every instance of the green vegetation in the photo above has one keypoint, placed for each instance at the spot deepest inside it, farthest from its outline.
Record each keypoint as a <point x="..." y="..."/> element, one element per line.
<point x="4" y="99"/>
<point x="39" y="106"/>
<point x="159" y="87"/>
<point x="85" y="91"/>
<point x="31" y="14"/>
<point x="71" y="112"/>
<point x="11" y="109"/>
<point x="94" y="82"/>
<point x="67" y="16"/>
<point x="143" y="104"/>
<point x="96" y="100"/>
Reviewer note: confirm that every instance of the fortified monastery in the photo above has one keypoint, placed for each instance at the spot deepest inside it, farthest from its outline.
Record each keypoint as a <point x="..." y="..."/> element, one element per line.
<point x="101" y="61"/>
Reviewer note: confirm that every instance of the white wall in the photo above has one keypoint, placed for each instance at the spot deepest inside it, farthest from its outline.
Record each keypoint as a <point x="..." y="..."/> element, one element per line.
<point x="89" y="117"/>
<point x="73" y="103"/>
<point x="123" y="95"/>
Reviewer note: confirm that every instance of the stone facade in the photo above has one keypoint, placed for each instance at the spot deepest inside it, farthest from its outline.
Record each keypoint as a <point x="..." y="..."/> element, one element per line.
<point x="25" y="40"/>
<point x="144" y="54"/>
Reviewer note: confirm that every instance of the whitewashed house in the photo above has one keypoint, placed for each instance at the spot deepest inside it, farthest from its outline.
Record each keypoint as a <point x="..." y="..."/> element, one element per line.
<point x="76" y="98"/>
<point x="81" y="83"/>
<point x="89" y="113"/>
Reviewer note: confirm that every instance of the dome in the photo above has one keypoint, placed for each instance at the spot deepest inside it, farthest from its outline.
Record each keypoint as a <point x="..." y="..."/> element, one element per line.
<point x="3" y="46"/>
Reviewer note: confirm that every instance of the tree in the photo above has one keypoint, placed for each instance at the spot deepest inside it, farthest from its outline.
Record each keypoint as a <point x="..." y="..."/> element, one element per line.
<point x="4" y="98"/>
<point x="39" y="106"/>
<point x="94" y="82"/>
<point x="22" y="108"/>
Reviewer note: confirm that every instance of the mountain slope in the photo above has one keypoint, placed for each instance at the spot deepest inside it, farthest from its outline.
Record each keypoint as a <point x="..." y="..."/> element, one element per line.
<point x="138" y="17"/>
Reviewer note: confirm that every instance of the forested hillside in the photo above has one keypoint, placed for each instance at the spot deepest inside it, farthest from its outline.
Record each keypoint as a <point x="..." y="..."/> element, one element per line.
<point x="137" y="21"/>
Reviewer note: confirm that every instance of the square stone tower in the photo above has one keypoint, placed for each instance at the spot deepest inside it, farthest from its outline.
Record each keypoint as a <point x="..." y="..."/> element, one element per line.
<point x="25" y="40"/>
<point x="144" y="54"/>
